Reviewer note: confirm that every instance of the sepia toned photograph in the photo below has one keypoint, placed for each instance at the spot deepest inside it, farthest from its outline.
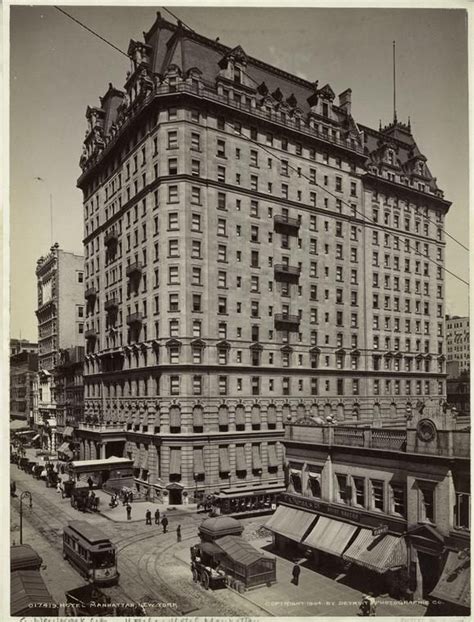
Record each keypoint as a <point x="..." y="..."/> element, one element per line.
<point x="239" y="352"/>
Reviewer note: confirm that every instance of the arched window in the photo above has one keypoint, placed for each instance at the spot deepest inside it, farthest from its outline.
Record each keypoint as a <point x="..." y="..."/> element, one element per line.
<point x="376" y="411"/>
<point x="286" y="412"/>
<point x="340" y="412"/>
<point x="223" y="416"/>
<point x="314" y="410"/>
<point x="327" y="410"/>
<point x="175" y="419"/>
<point x="198" y="419"/>
<point x="300" y="410"/>
<point x="271" y="416"/>
<point x="393" y="410"/>
<point x="256" y="417"/>
<point x="240" y="417"/>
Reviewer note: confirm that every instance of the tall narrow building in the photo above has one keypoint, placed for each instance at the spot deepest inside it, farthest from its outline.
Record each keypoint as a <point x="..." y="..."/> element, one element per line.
<point x="60" y="314"/>
<point x="252" y="255"/>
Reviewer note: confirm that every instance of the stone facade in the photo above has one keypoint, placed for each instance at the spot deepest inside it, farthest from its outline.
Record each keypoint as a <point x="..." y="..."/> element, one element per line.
<point x="253" y="253"/>
<point x="23" y="370"/>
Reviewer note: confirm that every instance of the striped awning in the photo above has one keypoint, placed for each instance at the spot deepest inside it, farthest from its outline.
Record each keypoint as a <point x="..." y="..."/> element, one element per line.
<point x="198" y="419"/>
<point x="240" y="415"/>
<point x="378" y="553"/>
<point x="224" y="462"/>
<point x="272" y="455"/>
<point x="198" y="461"/>
<point x="136" y="457"/>
<point x="240" y="460"/>
<point x="144" y="460"/>
<point x="329" y="535"/>
<point x="175" y="461"/>
<point x="271" y="415"/>
<point x="290" y="522"/>
<point x="175" y="417"/>
<point x="256" y="415"/>
<point x="454" y="585"/>
<point x="223" y="416"/>
<point x="256" y="458"/>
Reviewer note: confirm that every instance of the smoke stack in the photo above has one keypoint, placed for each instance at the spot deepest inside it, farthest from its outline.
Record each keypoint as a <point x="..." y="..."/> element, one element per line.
<point x="345" y="101"/>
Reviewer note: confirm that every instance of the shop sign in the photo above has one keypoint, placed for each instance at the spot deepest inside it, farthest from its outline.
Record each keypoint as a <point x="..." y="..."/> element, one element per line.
<point x="318" y="506"/>
<point x="380" y="530"/>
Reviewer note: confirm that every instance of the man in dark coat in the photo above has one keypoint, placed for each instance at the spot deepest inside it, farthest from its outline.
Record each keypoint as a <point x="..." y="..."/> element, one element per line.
<point x="90" y="481"/>
<point x="296" y="574"/>
<point x="178" y="533"/>
<point x="157" y="516"/>
<point x="148" y="517"/>
<point x="164" y="523"/>
<point x="129" y="511"/>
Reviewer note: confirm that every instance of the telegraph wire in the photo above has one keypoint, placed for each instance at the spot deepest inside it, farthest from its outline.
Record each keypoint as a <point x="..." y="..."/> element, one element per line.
<point x="395" y="115"/>
<point x="300" y="174"/>
<point x="96" y="34"/>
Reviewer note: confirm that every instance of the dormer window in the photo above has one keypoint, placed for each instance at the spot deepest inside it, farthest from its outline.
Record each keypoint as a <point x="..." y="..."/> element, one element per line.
<point x="325" y="110"/>
<point x="237" y="75"/>
<point x="421" y="168"/>
<point x="390" y="156"/>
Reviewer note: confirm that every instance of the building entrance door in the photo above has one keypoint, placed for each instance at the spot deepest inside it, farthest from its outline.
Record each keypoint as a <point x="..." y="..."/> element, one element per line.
<point x="429" y="571"/>
<point x="176" y="496"/>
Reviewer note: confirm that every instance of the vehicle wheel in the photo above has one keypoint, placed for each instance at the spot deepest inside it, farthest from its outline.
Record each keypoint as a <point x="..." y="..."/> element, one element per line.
<point x="205" y="580"/>
<point x="195" y="576"/>
<point x="269" y="584"/>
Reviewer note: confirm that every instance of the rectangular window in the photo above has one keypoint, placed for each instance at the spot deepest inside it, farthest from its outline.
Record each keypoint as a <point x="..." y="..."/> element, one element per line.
<point x="377" y="494"/>
<point x="398" y="498"/>
<point x="426" y="502"/>
<point x="173" y="139"/>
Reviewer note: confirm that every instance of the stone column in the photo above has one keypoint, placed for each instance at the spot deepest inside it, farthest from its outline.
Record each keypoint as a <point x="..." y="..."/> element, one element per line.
<point x="102" y="450"/>
<point x="82" y="451"/>
<point x="93" y="447"/>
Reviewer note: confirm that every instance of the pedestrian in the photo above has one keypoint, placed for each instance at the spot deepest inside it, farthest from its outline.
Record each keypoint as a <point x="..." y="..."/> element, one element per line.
<point x="364" y="606"/>
<point x="58" y="486"/>
<point x="372" y="604"/>
<point x="90" y="481"/>
<point x="296" y="574"/>
<point x="129" y="511"/>
<point x="157" y="517"/>
<point x="164" y="523"/>
<point x="148" y="517"/>
<point x="178" y="533"/>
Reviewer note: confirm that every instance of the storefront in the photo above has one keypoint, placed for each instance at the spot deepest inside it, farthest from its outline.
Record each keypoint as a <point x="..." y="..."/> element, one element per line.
<point x="112" y="474"/>
<point x="289" y="526"/>
<point x="452" y="592"/>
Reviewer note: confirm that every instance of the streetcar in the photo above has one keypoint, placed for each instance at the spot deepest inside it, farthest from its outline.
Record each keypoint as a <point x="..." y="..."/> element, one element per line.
<point x="90" y="551"/>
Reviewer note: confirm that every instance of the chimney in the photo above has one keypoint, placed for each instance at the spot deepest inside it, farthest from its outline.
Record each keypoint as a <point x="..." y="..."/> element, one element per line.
<point x="345" y="101"/>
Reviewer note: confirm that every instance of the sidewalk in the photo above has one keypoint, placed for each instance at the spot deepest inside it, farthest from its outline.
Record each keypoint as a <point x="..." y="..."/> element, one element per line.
<point x="316" y="594"/>
<point x="139" y="508"/>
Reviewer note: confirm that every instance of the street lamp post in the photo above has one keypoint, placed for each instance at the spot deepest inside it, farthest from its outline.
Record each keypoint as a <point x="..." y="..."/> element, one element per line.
<point x="25" y="493"/>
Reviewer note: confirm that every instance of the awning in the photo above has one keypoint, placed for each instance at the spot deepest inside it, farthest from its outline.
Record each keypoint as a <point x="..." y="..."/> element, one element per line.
<point x="330" y="536"/>
<point x="175" y="461"/>
<point x="271" y="415"/>
<point x="198" y="419"/>
<point x="256" y="458"/>
<point x="145" y="455"/>
<point x="224" y="463"/>
<point x="454" y="585"/>
<point x="223" y="416"/>
<point x="290" y="522"/>
<point x="136" y="458"/>
<point x="272" y="455"/>
<point x="68" y="431"/>
<point x="240" y="415"/>
<point x="28" y="593"/>
<point x="256" y="416"/>
<point x="175" y="417"/>
<point x="378" y="553"/>
<point x="64" y="449"/>
<point x="198" y="461"/>
<point x="240" y="460"/>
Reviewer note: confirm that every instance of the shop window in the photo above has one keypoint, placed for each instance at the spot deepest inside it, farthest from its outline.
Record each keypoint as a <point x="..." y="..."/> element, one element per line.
<point x="295" y="481"/>
<point x="314" y="484"/>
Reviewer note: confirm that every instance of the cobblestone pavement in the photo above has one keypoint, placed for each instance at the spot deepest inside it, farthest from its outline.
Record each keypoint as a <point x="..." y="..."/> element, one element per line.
<point x="154" y="567"/>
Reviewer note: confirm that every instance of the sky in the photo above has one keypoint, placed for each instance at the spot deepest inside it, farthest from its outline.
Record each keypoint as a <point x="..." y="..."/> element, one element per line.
<point x="57" y="69"/>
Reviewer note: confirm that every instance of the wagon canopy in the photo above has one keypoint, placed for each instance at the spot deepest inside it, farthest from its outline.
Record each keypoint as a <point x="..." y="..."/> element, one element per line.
<point x="240" y="551"/>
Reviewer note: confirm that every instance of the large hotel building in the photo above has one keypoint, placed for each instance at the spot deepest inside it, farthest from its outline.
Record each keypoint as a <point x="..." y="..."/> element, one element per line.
<point x="252" y="256"/>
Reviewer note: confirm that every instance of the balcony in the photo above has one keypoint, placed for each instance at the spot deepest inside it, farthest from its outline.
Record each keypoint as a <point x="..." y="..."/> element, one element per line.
<point x="135" y="270"/>
<point x="286" y="322"/>
<point x="288" y="274"/>
<point x="111" y="238"/>
<point x="135" y="319"/>
<point x="111" y="305"/>
<point x="448" y="443"/>
<point x="90" y="294"/>
<point x="90" y="334"/>
<point x="285" y="224"/>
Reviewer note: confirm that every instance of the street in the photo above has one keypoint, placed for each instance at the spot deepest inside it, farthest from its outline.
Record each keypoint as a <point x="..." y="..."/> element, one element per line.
<point x="154" y="567"/>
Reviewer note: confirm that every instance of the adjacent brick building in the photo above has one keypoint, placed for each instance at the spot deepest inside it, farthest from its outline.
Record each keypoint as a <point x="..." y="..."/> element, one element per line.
<point x="23" y="371"/>
<point x="60" y="313"/>
<point x="69" y="392"/>
<point x="393" y="503"/>
<point x="252" y="254"/>
<point x="458" y="342"/>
